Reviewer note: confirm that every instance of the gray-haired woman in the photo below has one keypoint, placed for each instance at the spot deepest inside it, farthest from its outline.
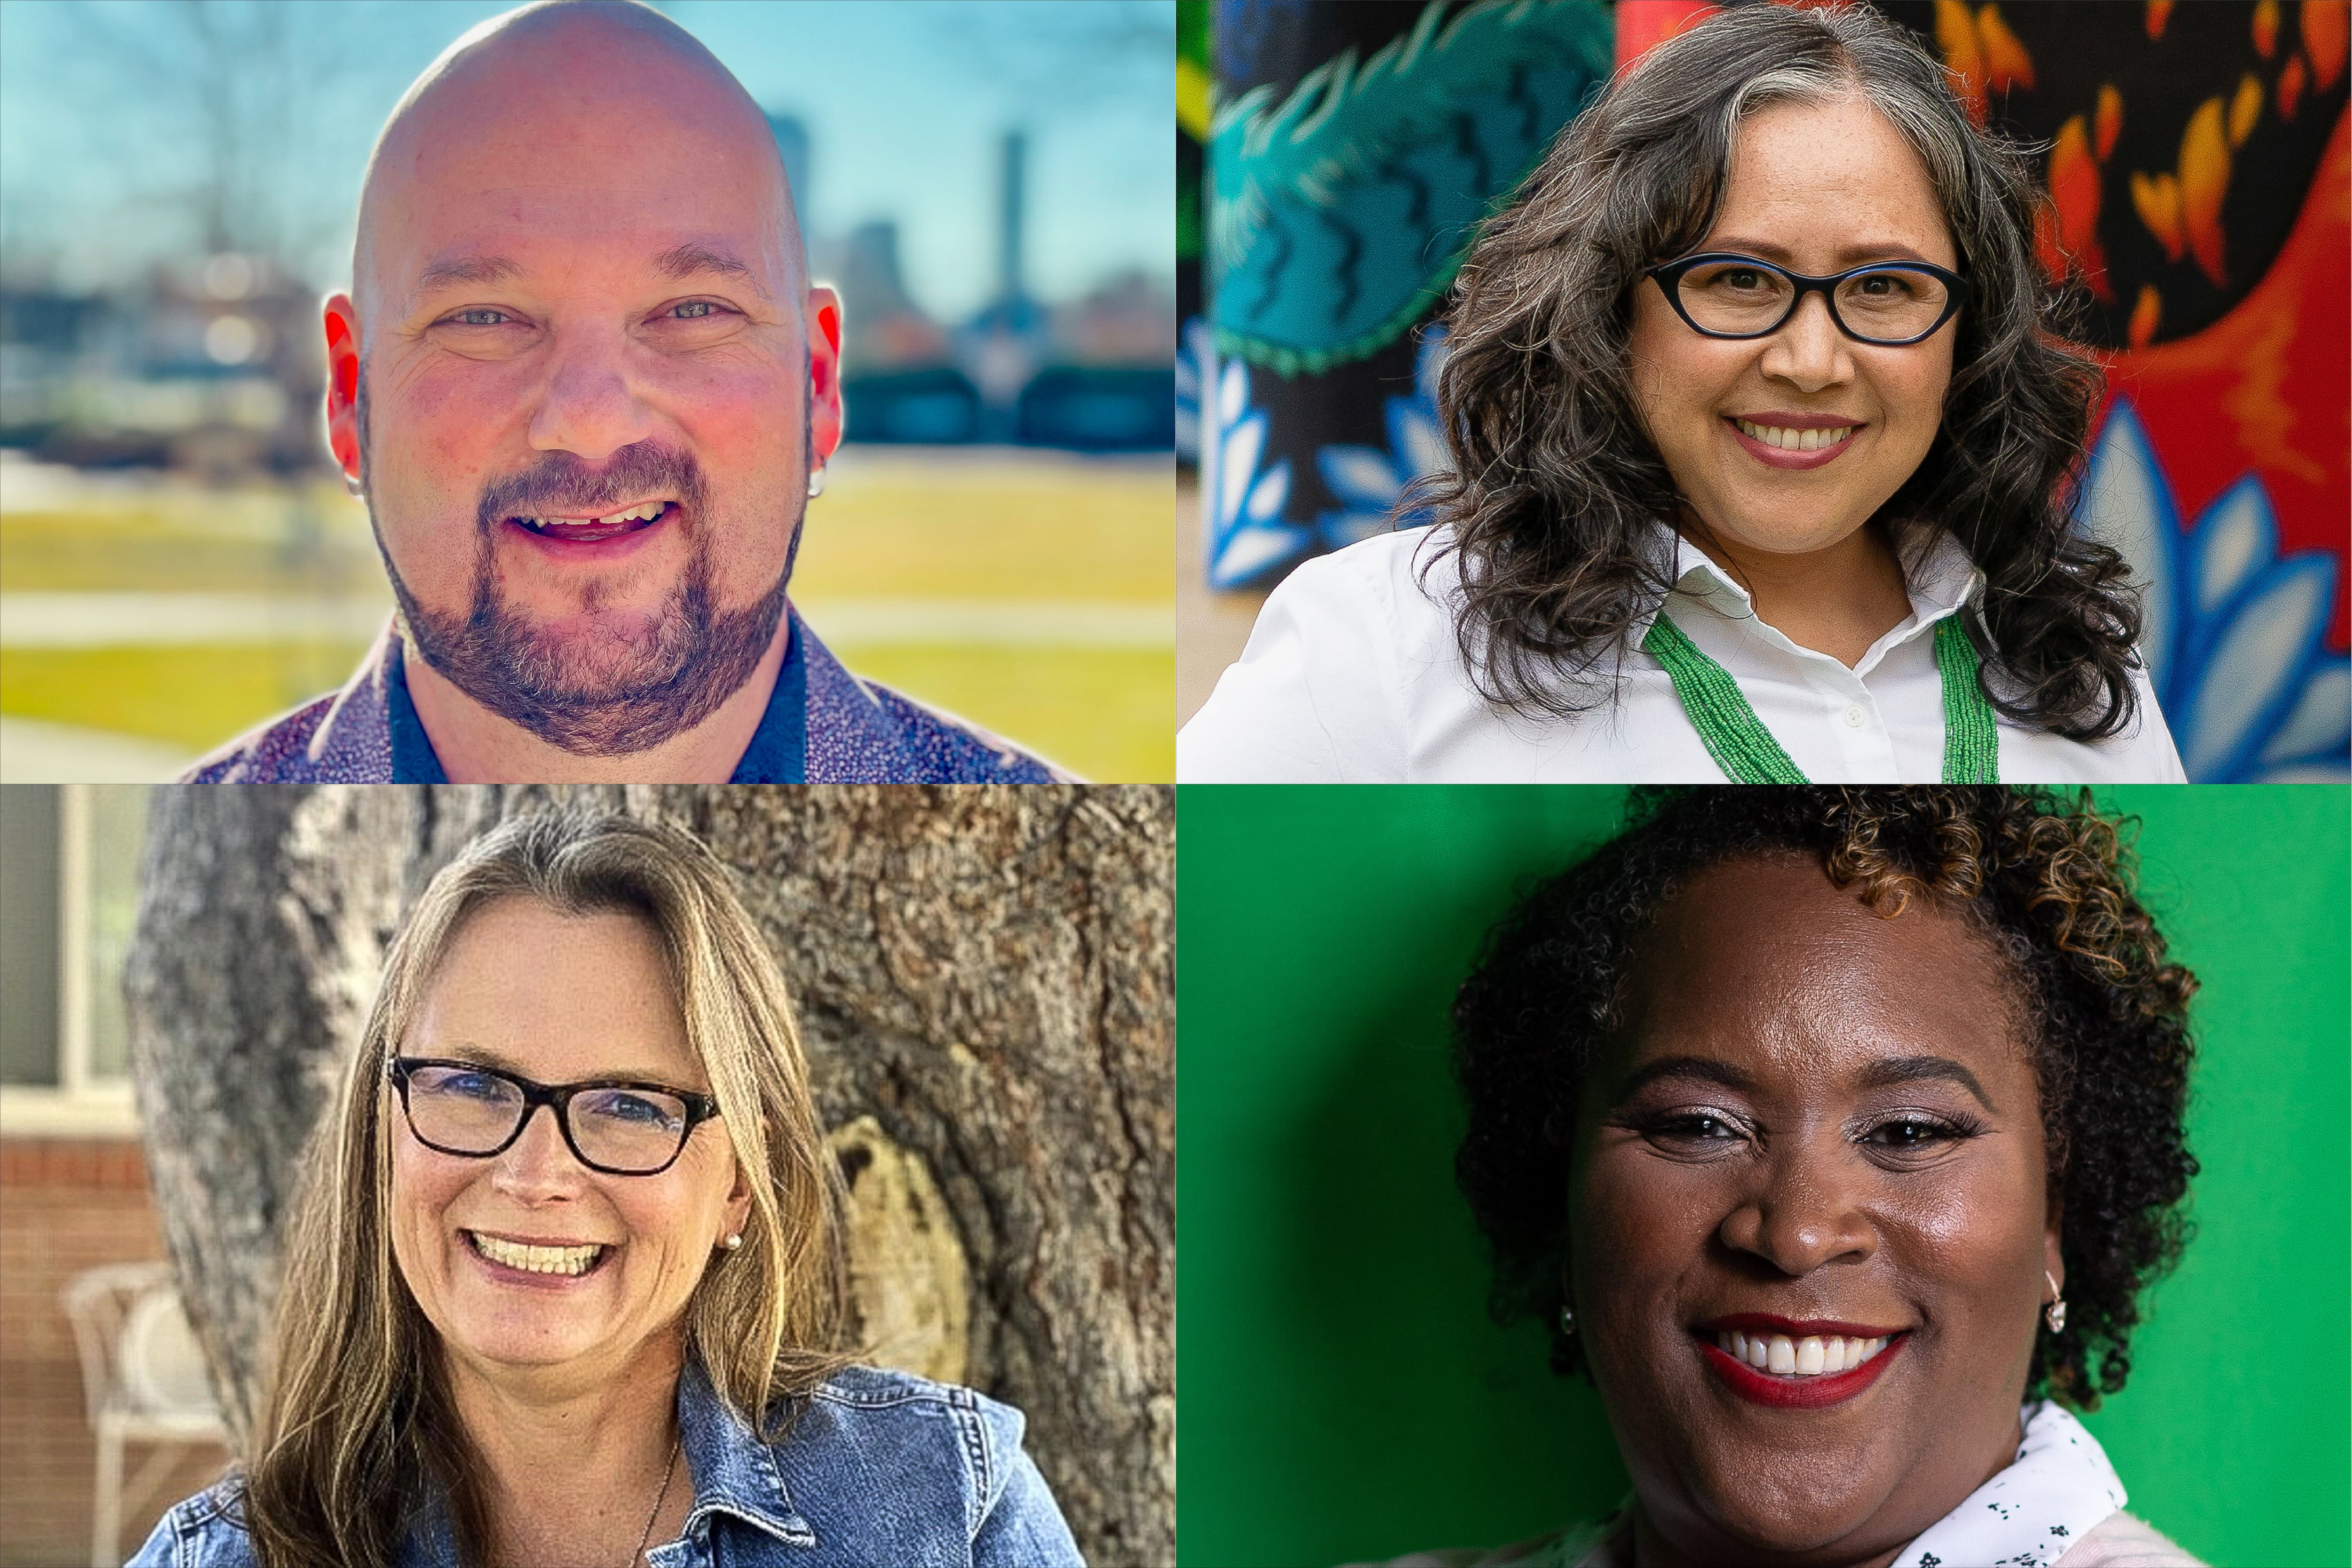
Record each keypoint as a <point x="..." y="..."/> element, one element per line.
<point x="1764" y="445"/>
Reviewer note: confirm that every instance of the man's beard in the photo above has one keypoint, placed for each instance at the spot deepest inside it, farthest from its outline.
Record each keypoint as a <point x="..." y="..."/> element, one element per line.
<point x="615" y="697"/>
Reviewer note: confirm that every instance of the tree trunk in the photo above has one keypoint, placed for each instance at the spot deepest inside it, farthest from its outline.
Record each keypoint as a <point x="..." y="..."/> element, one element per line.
<point x="987" y="974"/>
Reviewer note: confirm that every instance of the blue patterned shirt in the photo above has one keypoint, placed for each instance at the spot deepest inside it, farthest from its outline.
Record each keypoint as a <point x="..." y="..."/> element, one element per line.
<point x="822" y="725"/>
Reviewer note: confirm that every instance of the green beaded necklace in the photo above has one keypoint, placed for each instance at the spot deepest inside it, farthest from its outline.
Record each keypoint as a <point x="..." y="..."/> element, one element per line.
<point x="1746" y="752"/>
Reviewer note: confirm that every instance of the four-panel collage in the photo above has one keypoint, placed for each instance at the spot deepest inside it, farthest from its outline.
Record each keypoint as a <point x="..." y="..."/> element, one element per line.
<point x="1576" y="794"/>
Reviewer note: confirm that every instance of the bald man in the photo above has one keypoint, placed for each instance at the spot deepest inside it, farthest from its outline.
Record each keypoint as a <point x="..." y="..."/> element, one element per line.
<point x="586" y="388"/>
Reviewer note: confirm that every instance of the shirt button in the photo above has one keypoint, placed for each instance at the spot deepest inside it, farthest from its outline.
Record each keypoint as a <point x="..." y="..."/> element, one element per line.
<point x="1853" y="716"/>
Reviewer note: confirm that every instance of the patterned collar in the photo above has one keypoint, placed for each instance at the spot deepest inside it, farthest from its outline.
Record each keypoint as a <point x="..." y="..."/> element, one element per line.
<point x="2059" y="1489"/>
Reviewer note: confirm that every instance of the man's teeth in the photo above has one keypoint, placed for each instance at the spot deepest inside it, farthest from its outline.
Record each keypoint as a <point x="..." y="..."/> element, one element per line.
<point x="645" y="513"/>
<point x="1808" y="1357"/>
<point x="537" y="1260"/>
<point x="1795" y="440"/>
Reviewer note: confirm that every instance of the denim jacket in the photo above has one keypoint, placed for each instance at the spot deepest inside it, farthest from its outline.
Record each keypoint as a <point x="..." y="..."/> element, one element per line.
<point x="881" y="1470"/>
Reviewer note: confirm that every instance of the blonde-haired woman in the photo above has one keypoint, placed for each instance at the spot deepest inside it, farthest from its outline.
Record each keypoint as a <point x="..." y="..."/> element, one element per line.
<point x="606" y="1335"/>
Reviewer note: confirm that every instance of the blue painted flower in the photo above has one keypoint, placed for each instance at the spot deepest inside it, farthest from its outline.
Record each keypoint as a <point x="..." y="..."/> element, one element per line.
<point x="2233" y="635"/>
<point x="1195" y="363"/>
<point x="1248" y="542"/>
<point x="1369" y="482"/>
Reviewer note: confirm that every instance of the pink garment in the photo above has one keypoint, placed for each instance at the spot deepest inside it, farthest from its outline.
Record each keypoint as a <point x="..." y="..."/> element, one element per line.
<point x="2124" y="1542"/>
<point x="2121" y="1542"/>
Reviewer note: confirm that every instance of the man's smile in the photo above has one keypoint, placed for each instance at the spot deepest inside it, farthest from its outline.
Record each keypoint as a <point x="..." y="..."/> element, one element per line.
<point x="574" y="531"/>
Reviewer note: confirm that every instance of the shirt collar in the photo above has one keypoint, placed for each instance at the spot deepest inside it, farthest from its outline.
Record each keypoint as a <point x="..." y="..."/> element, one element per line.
<point x="2058" y="1490"/>
<point x="777" y="752"/>
<point x="1938" y="575"/>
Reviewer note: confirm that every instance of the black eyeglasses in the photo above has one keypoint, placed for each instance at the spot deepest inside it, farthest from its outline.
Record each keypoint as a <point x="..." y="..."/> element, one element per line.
<point x="618" y="1127"/>
<point x="1887" y="303"/>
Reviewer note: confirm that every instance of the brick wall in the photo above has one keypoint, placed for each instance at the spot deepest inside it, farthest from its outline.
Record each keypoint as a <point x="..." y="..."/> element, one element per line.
<point x="66" y="1204"/>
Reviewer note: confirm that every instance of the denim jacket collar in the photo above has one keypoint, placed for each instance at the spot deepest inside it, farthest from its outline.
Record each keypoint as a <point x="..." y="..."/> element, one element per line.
<point x="732" y="1472"/>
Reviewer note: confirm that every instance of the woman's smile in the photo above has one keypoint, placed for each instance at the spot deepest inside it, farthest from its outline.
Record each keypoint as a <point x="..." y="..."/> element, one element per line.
<point x="535" y="1266"/>
<point x="1799" y="442"/>
<point x="1795" y="1365"/>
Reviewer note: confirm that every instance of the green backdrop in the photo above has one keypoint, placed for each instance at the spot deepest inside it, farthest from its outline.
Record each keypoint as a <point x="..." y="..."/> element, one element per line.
<point x="1345" y="1396"/>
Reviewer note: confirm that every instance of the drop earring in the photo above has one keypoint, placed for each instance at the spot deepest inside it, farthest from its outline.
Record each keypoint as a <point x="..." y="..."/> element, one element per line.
<point x="1566" y="1321"/>
<point x="2054" y="1314"/>
<point x="817" y="481"/>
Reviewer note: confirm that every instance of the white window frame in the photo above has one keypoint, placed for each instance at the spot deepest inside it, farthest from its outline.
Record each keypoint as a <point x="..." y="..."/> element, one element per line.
<point x="82" y="1104"/>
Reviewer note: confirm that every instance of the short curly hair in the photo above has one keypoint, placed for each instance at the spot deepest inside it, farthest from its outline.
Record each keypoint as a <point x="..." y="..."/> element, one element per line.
<point x="2045" y="878"/>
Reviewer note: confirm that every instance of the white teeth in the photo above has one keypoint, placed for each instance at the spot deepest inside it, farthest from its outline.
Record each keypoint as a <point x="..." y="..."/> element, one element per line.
<point x="1796" y="440"/>
<point x="536" y="1259"/>
<point x="1812" y="1356"/>
<point x="647" y="512"/>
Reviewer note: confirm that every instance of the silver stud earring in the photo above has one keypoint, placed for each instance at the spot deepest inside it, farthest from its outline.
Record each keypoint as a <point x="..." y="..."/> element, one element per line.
<point x="817" y="481"/>
<point x="2054" y="1314"/>
<point x="732" y="1242"/>
<point x="1567" y="1320"/>
<point x="352" y="483"/>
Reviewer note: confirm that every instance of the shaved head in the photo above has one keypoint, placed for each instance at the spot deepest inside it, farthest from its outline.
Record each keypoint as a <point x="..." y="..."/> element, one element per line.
<point x="520" y="109"/>
<point x="583" y="381"/>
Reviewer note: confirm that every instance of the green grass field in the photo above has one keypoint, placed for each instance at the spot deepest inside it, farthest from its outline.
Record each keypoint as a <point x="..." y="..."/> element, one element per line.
<point x="914" y="527"/>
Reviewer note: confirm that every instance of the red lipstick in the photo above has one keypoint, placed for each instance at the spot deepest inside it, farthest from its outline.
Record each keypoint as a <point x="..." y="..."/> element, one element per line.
<point x="1798" y="1393"/>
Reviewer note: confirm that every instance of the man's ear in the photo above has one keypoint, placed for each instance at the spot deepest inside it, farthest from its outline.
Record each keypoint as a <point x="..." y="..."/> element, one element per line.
<point x="825" y="372"/>
<point x="342" y="323"/>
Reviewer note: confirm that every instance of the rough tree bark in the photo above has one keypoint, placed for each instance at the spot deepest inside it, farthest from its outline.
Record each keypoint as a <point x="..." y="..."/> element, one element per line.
<point x="986" y="974"/>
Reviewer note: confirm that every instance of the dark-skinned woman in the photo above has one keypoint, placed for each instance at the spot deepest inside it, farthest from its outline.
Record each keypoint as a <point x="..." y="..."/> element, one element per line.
<point x="1834" y="1132"/>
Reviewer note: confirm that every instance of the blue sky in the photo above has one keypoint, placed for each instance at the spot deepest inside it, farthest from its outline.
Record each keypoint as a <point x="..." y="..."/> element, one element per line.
<point x="905" y="101"/>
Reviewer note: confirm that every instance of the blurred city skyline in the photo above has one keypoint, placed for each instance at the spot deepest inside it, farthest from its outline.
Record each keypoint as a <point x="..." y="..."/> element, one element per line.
<point x="258" y="138"/>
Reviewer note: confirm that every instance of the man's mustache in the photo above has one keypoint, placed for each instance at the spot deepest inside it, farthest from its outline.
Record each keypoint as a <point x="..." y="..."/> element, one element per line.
<point x="561" y="482"/>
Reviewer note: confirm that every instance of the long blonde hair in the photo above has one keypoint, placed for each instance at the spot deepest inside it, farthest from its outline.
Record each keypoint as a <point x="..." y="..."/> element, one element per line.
<point x="356" y="1419"/>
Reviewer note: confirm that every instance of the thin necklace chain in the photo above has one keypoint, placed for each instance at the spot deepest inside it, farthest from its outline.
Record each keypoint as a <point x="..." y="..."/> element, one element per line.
<point x="667" y="1476"/>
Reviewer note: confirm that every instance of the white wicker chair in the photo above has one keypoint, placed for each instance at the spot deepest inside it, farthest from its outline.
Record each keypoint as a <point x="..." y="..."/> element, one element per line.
<point x="143" y="1380"/>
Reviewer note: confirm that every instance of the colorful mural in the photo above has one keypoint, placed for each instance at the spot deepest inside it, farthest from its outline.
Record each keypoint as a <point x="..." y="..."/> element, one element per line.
<point x="2199" y="174"/>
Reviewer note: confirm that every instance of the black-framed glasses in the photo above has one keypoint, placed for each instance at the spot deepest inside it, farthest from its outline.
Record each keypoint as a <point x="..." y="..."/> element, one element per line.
<point x="620" y="1126"/>
<point x="1886" y="303"/>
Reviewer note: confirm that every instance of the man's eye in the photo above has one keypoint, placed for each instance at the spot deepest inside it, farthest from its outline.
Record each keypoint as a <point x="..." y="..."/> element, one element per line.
<point x="693" y="310"/>
<point x="478" y="318"/>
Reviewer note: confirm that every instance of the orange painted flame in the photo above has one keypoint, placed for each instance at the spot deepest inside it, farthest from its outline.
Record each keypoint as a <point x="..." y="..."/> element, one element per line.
<point x="2266" y="29"/>
<point x="2157" y="202"/>
<point x="2290" y="88"/>
<point x="2007" y="64"/>
<point x="2324" y="30"/>
<point x="2109" y="123"/>
<point x="1956" y="35"/>
<point x="2244" y="109"/>
<point x="2074" y="201"/>
<point x="2146" y="313"/>
<point x="2204" y="179"/>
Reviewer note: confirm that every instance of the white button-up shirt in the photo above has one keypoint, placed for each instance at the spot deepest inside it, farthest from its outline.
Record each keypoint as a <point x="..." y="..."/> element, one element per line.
<point x="1352" y="674"/>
